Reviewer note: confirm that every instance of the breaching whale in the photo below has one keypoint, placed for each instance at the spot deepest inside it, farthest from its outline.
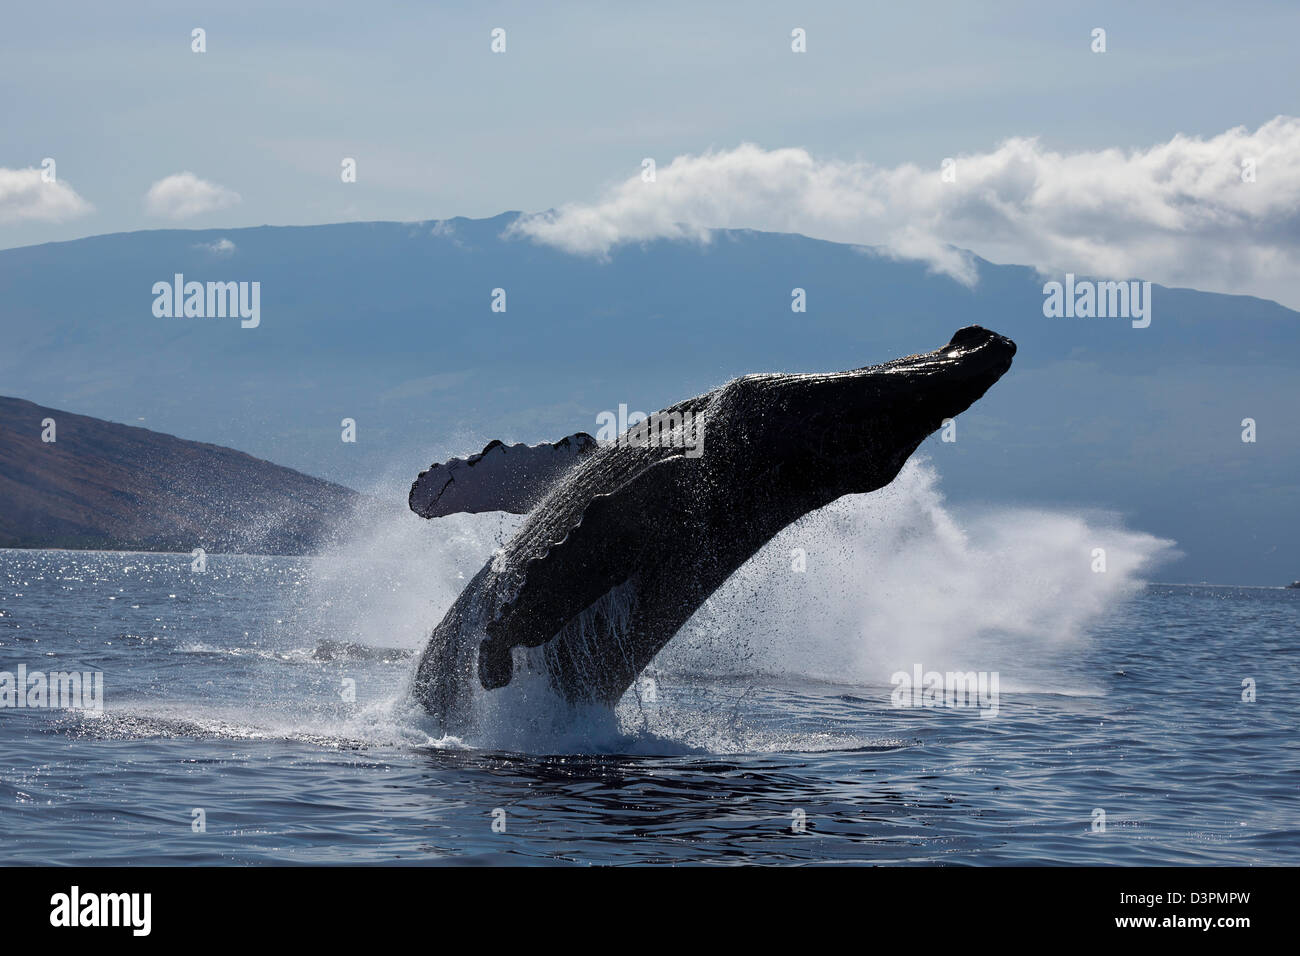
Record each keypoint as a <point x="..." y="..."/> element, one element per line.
<point x="624" y="540"/>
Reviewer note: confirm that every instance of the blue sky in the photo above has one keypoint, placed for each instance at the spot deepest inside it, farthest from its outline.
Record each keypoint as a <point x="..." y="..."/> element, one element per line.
<point x="440" y="126"/>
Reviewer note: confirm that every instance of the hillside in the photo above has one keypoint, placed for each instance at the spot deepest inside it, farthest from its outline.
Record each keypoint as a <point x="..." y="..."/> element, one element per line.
<point x="100" y="484"/>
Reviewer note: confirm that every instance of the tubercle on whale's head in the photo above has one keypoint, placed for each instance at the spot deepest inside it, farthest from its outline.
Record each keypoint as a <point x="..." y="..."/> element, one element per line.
<point x="864" y="423"/>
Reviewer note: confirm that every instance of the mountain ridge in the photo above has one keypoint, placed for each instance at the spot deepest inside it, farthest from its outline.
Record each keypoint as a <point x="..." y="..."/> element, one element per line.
<point x="390" y="323"/>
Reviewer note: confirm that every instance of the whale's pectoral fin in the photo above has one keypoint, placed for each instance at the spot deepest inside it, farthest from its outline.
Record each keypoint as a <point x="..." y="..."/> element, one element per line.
<point x="600" y="552"/>
<point x="499" y="478"/>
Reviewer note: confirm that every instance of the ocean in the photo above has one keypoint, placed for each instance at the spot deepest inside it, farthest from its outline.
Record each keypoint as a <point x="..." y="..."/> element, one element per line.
<point x="255" y="711"/>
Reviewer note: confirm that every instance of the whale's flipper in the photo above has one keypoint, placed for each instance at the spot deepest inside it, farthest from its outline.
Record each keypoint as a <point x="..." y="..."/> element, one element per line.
<point x="499" y="478"/>
<point x="599" y="552"/>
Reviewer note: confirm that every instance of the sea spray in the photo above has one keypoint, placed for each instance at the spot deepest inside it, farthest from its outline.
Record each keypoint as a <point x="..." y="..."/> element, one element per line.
<point x="889" y="580"/>
<point x="897" y="577"/>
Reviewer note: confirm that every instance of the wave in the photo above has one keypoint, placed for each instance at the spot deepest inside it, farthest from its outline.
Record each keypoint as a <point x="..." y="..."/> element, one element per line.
<point x="325" y="651"/>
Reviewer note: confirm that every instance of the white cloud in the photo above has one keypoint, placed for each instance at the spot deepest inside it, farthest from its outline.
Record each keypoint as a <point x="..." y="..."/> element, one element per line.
<point x="1176" y="213"/>
<point x="184" y="195"/>
<point x="24" y="195"/>
<point x="219" y="247"/>
<point x="443" y="229"/>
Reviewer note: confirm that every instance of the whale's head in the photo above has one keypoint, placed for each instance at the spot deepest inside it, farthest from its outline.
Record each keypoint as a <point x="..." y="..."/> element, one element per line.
<point x="939" y="384"/>
<point x="850" y="432"/>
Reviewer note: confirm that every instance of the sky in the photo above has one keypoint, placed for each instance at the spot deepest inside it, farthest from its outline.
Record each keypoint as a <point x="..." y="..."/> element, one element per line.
<point x="1127" y="162"/>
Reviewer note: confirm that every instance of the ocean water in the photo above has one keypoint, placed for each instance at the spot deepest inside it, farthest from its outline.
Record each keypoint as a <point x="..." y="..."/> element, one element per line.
<point x="265" y="698"/>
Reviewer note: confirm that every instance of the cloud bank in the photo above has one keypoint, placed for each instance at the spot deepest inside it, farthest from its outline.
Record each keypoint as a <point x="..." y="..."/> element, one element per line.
<point x="184" y="195"/>
<point x="25" y="196"/>
<point x="1220" y="213"/>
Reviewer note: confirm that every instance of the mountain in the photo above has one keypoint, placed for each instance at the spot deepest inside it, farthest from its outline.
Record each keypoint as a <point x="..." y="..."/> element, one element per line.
<point x="99" y="484"/>
<point x="391" y="325"/>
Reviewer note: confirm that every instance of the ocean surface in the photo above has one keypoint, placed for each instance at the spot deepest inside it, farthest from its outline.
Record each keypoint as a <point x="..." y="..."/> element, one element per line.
<point x="255" y="711"/>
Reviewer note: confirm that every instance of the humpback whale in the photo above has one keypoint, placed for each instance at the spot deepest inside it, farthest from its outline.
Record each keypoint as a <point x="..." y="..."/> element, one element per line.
<point x="624" y="540"/>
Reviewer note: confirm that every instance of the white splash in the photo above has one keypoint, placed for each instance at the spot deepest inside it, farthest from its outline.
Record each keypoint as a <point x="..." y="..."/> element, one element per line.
<point x="896" y="578"/>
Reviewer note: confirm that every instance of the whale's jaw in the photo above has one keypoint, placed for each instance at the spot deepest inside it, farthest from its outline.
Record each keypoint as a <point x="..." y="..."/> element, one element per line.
<point x="910" y="398"/>
<point x="953" y="377"/>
